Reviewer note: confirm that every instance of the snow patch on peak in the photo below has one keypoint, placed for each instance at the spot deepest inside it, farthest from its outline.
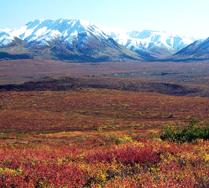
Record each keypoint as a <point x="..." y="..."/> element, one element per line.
<point x="41" y="32"/>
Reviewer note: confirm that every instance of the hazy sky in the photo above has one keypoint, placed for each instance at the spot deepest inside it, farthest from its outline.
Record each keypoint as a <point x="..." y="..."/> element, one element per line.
<point x="188" y="17"/>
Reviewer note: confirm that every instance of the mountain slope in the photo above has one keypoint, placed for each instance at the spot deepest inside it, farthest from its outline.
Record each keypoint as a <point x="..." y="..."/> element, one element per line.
<point x="197" y="50"/>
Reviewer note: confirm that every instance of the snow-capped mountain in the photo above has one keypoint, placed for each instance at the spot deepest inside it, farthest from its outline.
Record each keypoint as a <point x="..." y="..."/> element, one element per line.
<point x="154" y="42"/>
<point x="5" y="37"/>
<point x="65" y="39"/>
<point x="46" y="31"/>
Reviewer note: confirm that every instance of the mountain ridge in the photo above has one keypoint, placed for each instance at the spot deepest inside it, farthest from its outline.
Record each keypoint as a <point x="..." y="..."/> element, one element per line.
<point x="198" y="50"/>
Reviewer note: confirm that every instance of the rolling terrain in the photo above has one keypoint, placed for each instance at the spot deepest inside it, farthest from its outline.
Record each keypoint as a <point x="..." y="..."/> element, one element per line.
<point x="79" y="109"/>
<point x="91" y="109"/>
<point x="162" y="77"/>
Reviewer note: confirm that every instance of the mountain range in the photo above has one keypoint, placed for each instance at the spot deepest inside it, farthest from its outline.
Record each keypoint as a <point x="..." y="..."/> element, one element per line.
<point x="78" y="40"/>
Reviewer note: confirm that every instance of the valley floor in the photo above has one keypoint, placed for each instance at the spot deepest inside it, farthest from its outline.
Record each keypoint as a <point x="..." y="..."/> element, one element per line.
<point x="99" y="138"/>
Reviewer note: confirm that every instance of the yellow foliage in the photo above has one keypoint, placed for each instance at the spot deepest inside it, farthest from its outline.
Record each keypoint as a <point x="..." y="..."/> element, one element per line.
<point x="10" y="171"/>
<point x="206" y="157"/>
<point x="125" y="139"/>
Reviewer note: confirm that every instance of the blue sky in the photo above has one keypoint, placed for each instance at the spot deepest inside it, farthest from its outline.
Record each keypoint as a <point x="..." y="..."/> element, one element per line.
<point x="188" y="17"/>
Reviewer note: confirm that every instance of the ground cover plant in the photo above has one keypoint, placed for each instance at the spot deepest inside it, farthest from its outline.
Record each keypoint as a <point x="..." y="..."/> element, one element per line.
<point x="102" y="138"/>
<point x="191" y="132"/>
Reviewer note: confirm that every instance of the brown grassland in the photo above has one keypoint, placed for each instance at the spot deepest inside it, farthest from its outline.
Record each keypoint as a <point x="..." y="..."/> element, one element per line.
<point x="93" y="109"/>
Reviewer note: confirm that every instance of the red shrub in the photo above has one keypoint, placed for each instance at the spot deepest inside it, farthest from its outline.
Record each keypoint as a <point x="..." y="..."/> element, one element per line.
<point x="126" y="155"/>
<point x="56" y="175"/>
<point x="46" y="175"/>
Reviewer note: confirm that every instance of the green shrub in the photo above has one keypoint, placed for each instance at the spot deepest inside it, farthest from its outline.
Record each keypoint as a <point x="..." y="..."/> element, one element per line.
<point x="188" y="134"/>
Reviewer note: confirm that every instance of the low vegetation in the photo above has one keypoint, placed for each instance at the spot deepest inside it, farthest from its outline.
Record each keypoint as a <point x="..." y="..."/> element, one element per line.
<point x="102" y="138"/>
<point x="190" y="133"/>
<point x="91" y="159"/>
